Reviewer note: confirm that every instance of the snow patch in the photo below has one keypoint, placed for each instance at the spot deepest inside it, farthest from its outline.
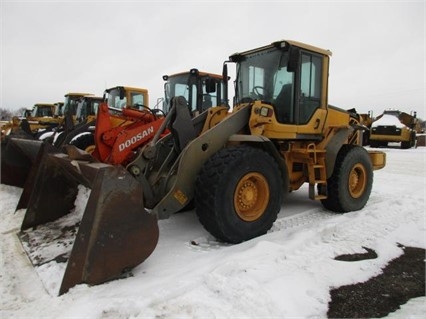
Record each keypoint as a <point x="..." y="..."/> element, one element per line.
<point x="388" y="120"/>
<point x="288" y="272"/>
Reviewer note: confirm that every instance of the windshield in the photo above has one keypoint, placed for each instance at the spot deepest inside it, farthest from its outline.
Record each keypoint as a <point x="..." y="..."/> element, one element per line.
<point x="87" y="107"/>
<point x="113" y="99"/>
<point x="178" y="86"/>
<point x="42" y="111"/>
<point x="265" y="76"/>
<point x="71" y="104"/>
<point x="262" y="76"/>
<point x="59" y="109"/>
<point x="34" y="111"/>
<point x="194" y="89"/>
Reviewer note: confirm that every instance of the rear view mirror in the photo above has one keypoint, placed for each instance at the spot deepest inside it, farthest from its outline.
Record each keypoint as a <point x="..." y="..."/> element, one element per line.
<point x="293" y="59"/>
<point x="210" y="85"/>
<point x="122" y="93"/>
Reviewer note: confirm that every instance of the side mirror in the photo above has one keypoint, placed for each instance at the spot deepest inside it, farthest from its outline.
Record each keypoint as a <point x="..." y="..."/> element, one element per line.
<point x="122" y="95"/>
<point x="293" y="59"/>
<point x="210" y="85"/>
<point x="225" y="72"/>
<point x="225" y="83"/>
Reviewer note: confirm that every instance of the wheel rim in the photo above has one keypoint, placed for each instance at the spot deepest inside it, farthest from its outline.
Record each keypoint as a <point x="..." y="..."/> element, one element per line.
<point x="89" y="149"/>
<point x="251" y="197"/>
<point x="357" y="181"/>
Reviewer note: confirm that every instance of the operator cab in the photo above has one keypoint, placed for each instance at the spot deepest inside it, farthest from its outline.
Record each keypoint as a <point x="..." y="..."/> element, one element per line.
<point x="122" y="97"/>
<point x="72" y="101"/>
<point x="202" y="90"/>
<point x="289" y="76"/>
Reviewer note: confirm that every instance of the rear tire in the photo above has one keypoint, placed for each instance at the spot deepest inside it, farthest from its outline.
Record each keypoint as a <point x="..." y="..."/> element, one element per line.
<point x="85" y="142"/>
<point x="350" y="185"/>
<point x="410" y="143"/>
<point x="238" y="193"/>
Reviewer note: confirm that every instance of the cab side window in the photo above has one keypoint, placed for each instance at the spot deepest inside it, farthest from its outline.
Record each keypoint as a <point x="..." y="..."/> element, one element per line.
<point x="310" y="86"/>
<point x="138" y="101"/>
<point x="283" y="96"/>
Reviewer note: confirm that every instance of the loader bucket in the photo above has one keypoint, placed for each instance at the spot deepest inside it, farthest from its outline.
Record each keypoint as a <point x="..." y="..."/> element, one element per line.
<point x="17" y="157"/>
<point x="114" y="234"/>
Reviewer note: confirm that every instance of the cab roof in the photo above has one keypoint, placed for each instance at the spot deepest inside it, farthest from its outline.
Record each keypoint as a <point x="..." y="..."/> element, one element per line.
<point x="283" y="44"/>
<point x="79" y="94"/>
<point x="200" y="73"/>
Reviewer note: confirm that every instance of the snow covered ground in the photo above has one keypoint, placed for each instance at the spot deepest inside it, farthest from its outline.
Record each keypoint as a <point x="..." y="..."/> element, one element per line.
<point x="286" y="273"/>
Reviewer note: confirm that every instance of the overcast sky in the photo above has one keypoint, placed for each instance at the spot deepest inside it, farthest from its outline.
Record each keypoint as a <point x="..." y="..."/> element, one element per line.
<point x="49" y="48"/>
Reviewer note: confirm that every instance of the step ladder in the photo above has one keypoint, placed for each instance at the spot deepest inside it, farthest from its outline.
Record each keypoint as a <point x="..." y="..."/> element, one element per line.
<point x="317" y="173"/>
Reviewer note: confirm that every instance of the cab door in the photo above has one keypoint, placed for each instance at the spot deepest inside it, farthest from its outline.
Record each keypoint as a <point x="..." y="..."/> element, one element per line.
<point x="311" y="100"/>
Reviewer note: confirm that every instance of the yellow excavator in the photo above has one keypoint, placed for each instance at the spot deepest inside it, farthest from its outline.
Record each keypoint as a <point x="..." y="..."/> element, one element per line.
<point x="235" y="167"/>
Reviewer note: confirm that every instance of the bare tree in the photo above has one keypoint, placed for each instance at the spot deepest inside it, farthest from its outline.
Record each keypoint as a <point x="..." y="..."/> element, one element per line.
<point x="5" y="114"/>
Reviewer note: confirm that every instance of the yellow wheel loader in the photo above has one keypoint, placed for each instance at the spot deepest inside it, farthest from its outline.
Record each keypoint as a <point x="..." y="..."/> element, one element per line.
<point x="78" y="119"/>
<point x="235" y="166"/>
<point x="15" y="160"/>
<point x="19" y="150"/>
<point x="202" y="90"/>
<point x="32" y="122"/>
<point x="82" y="134"/>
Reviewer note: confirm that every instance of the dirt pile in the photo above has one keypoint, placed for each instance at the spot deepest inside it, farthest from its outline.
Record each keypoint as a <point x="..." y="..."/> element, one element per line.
<point x="402" y="279"/>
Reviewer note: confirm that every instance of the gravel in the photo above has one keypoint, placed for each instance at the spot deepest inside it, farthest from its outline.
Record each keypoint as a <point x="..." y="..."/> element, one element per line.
<point x="402" y="279"/>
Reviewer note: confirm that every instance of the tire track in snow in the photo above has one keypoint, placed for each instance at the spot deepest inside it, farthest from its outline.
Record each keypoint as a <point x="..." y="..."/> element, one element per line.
<point x="310" y="253"/>
<point x="301" y="219"/>
<point x="208" y="243"/>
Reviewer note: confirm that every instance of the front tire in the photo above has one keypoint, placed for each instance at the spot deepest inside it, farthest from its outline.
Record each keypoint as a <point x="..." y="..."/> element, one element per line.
<point x="349" y="187"/>
<point x="85" y="142"/>
<point x="238" y="193"/>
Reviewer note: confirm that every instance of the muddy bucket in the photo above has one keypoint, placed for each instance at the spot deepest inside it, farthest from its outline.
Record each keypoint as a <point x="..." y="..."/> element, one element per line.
<point x="96" y="239"/>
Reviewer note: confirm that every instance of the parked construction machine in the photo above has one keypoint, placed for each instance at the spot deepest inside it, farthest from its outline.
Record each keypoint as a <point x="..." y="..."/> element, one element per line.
<point x="118" y="98"/>
<point x="119" y="135"/>
<point x="16" y="158"/>
<point x="19" y="150"/>
<point x="394" y="126"/>
<point x="202" y="90"/>
<point x="236" y="166"/>
<point x="32" y="122"/>
<point x="79" y="120"/>
<point x="77" y="114"/>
